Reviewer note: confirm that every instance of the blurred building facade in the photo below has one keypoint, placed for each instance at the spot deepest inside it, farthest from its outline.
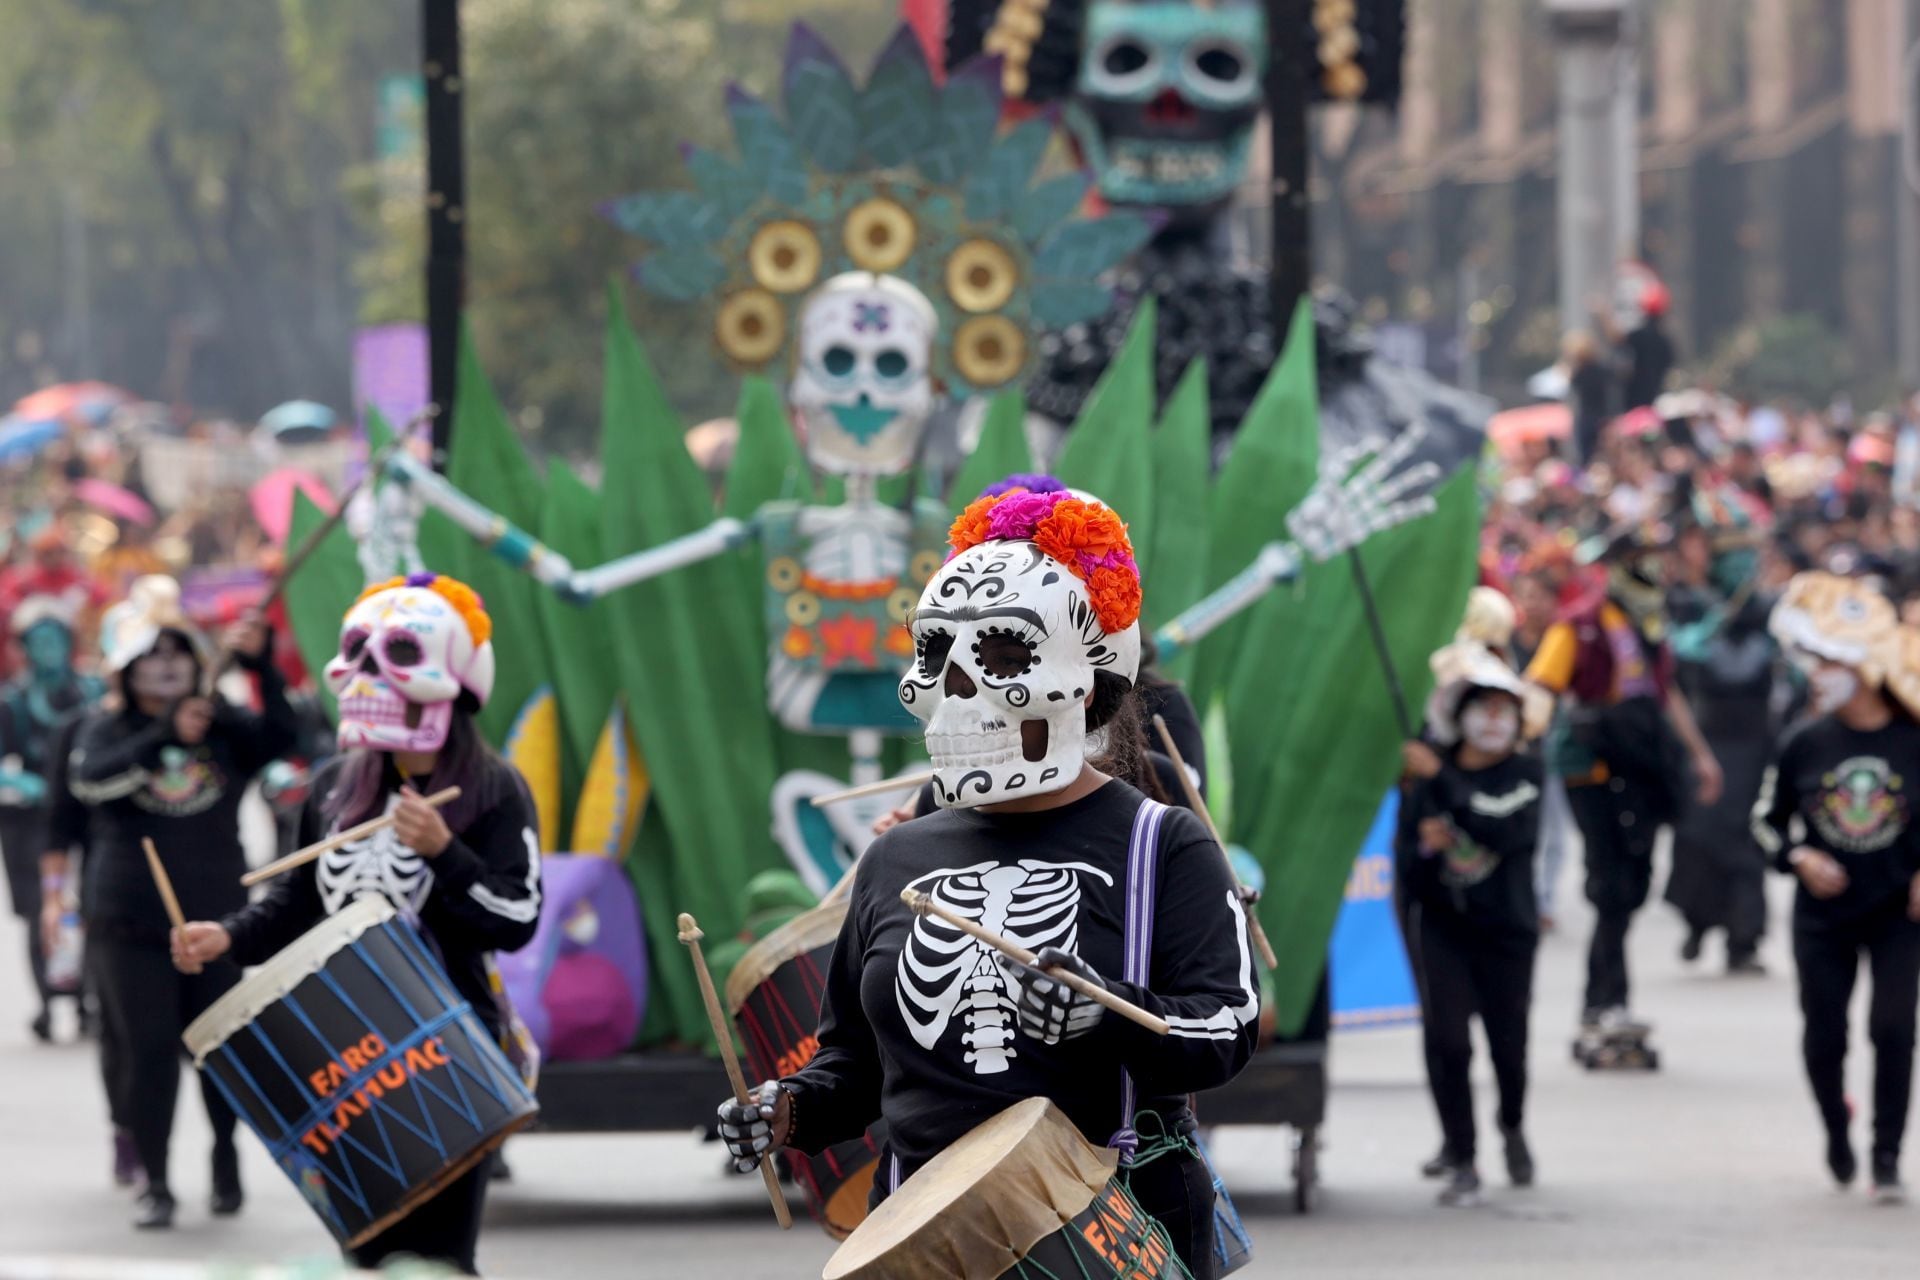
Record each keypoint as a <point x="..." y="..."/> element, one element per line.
<point x="1769" y="178"/>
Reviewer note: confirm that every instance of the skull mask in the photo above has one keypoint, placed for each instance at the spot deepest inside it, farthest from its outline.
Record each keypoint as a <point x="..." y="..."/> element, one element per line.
<point x="862" y="385"/>
<point x="1007" y="647"/>
<point x="406" y="655"/>
<point x="1166" y="99"/>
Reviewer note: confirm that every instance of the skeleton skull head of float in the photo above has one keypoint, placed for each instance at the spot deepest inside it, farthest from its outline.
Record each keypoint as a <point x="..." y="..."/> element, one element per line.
<point x="863" y="383"/>
<point x="408" y="653"/>
<point x="1008" y="646"/>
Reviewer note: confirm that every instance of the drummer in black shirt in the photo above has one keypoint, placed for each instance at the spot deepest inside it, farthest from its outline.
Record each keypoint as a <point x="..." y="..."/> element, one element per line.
<point x="1019" y="658"/>
<point x="1836" y="811"/>
<point x="467" y="874"/>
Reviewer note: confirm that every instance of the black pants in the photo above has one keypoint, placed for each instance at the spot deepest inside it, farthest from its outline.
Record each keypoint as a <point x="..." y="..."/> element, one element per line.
<point x="1619" y="840"/>
<point x="1177" y="1189"/>
<point x="1468" y="974"/>
<point x="146" y="1004"/>
<point x="1828" y="957"/>
<point x="113" y="1077"/>
<point x="444" y="1229"/>
<point x="20" y="841"/>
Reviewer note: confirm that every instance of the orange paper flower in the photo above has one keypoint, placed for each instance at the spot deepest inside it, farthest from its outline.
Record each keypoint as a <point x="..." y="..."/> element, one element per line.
<point x="1115" y="596"/>
<point x="970" y="526"/>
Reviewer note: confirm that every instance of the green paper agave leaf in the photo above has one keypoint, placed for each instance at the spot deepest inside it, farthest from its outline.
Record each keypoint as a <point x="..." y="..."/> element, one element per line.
<point x="583" y="663"/>
<point x="1109" y="451"/>
<point x="767" y="463"/>
<point x="897" y="112"/>
<point x="670" y="219"/>
<point x="765" y="148"/>
<point x="1175" y="565"/>
<point x="821" y="102"/>
<point x="1001" y="452"/>
<point x="969" y="117"/>
<point x="992" y="191"/>
<point x="1042" y="209"/>
<point x="680" y="275"/>
<point x="321" y="593"/>
<point x="729" y="190"/>
<point x="1082" y="250"/>
<point x="1055" y="306"/>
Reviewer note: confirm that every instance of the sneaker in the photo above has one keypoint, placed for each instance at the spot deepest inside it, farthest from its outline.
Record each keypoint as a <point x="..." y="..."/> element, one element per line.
<point x="1745" y="966"/>
<point x="154" y="1212"/>
<point x="1840" y="1159"/>
<point x="1519" y="1157"/>
<point x="1617" y="1021"/>
<point x="1887" y="1187"/>
<point x="1440" y="1166"/>
<point x="42" y="1026"/>
<point x="126" y="1159"/>
<point x="227" y="1196"/>
<point x="1463" y="1188"/>
<point x="1690" y="949"/>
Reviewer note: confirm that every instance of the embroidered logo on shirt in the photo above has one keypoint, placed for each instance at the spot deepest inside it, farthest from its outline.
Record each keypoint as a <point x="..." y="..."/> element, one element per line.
<point x="1861" y="807"/>
<point x="944" y="971"/>
<point x="187" y="782"/>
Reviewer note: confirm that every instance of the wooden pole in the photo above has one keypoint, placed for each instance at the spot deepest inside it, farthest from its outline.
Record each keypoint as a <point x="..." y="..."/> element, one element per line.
<point x="690" y="934"/>
<point x="921" y="904"/>
<point x="1199" y="803"/>
<point x="911" y="781"/>
<point x="302" y="857"/>
<point x="164" y="885"/>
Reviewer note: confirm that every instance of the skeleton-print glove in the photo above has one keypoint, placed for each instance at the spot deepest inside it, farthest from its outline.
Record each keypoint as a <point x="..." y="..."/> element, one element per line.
<point x="747" y="1127"/>
<point x="1050" y="1010"/>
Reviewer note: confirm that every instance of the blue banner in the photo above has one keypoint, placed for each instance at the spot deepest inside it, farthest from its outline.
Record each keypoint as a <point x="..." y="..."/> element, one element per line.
<point x="1372" y="983"/>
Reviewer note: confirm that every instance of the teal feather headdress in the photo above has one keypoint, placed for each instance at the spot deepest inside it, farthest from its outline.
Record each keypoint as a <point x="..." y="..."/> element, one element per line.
<point x="902" y="177"/>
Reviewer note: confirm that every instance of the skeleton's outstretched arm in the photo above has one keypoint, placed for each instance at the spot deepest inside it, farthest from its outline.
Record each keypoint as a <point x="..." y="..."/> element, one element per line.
<point x="524" y="551"/>
<point x="1344" y="508"/>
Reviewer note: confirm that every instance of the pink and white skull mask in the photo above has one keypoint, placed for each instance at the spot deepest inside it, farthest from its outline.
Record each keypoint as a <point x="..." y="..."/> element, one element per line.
<point x="405" y="657"/>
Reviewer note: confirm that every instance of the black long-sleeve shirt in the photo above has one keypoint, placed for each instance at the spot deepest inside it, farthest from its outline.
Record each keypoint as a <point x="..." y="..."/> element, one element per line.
<point x="918" y="1022"/>
<point x="1848" y="794"/>
<point x="479" y="894"/>
<point x="139" y="780"/>
<point x="1485" y="883"/>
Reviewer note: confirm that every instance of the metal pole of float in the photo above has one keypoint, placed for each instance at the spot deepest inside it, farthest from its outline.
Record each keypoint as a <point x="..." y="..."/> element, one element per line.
<point x="1289" y="54"/>
<point x="446" y="209"/>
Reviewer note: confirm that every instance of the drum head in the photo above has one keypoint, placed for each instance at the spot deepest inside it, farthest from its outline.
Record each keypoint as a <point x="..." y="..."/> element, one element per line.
<point x="981" y="1204"/>
<point x="305" y="955"/>
<point x="808" y="931"/>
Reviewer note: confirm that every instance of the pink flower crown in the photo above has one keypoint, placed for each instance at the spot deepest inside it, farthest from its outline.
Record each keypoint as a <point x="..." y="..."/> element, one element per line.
<point x="1088" y="539"/>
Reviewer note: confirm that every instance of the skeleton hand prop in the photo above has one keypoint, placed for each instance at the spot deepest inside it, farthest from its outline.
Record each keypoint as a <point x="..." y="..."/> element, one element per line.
<point x="1346" y="507"/>
<point x="1051" y="1011"/>
<point x="748" y="1130"/>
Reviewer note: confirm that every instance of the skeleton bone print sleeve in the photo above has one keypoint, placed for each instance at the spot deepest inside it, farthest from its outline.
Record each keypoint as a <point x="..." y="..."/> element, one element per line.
<point x="919" y="1023"/>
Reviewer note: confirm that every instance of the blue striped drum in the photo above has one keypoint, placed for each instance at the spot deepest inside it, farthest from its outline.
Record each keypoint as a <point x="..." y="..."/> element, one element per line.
<point x="369" y="1079"/>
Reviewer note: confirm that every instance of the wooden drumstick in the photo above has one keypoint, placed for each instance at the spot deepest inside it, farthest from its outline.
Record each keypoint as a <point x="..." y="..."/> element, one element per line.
<point x="1199" y="803"/>
<point x="912" y="781"/>
<point x="301" y="857"/>
<point x="690" y="935"/>
<point x="163" y="884"/>
<point x="922" y="904"/>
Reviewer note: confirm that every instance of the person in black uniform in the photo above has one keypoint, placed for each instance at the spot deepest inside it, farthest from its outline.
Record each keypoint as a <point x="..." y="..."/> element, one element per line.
<point x="1836" y="811"/>
<point x="1468" y="835"/>
<point x="170" y="765"/>
<point x="1023" y="649"/>
<point x="468" y="874"/>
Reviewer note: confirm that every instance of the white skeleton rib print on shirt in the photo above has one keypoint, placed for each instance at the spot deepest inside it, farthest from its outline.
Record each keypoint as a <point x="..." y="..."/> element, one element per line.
<point x="378" y="864"/>
<point x="1033" y="903"/>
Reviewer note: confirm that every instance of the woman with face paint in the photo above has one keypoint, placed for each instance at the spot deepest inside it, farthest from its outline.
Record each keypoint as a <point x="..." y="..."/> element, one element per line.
<point x="415" y="664"/>
<point x="1027" y="642"/>
<point x="168" y="764"/>
<point x="1468" y="835"/>
<point x="1836" y="811"/>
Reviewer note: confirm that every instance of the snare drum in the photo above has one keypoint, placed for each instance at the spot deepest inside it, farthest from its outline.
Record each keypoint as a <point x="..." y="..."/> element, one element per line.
<point x="774" y="994"/>
<point x="1023" y="1195"/>
<point x="369" y="1079"/>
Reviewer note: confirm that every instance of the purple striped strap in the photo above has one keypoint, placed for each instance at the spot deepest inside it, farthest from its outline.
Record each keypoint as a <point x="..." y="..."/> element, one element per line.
<point x="1143" y="869"/>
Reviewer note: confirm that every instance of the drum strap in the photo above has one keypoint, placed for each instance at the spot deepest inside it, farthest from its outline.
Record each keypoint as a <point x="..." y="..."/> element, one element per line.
<point x="1143" y="871"/>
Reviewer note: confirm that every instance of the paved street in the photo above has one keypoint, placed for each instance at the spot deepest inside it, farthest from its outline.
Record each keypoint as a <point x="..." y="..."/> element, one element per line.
<point x="1709" y="1169"/>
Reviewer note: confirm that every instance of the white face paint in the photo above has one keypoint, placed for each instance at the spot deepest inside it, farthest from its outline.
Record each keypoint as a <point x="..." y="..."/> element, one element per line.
<point x="862" y="385"/>
<point x="405" y="655"/>
<point x="1007" y="645"/>
<point x="1832" y="687"/>
<point x="166" y="673"/>
<point x="1491" y="725"/>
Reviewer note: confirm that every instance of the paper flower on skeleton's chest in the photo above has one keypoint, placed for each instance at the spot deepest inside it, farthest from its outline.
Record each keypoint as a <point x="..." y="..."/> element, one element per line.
<point x="379" y="864"/>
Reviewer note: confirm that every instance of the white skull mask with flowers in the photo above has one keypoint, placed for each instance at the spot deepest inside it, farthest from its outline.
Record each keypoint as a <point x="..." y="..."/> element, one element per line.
<point x="407" y="654"/>
<point x="862" y="383"/>
<point x="1009" y="642"/>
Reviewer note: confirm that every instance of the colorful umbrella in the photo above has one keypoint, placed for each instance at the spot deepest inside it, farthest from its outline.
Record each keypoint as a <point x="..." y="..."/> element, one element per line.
<point x="298" y="421"/>
<point x="92" y="401"/>
<point x="272" y="499"/>
<point x="1515" y="427"/>
<point x="114" y="500"/>
<point x="23" y="437"/>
